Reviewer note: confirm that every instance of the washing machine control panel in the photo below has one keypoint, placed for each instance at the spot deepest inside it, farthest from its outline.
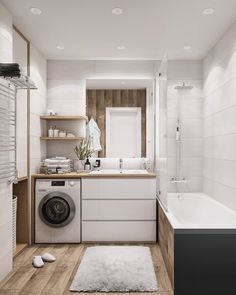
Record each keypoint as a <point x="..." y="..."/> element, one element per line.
<point x="58" y="183"/>
<point x="62" y="183"/>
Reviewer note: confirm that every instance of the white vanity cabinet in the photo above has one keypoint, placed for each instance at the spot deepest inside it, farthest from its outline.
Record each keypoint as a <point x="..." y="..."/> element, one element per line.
<point x="118" y="209"/>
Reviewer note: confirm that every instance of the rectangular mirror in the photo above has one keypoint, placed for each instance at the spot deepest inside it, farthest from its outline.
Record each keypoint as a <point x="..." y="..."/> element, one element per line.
<point x="123" y="112"/>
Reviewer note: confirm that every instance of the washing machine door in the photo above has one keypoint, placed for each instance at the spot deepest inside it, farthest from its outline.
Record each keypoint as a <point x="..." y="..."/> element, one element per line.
<point x="56" y="209"/>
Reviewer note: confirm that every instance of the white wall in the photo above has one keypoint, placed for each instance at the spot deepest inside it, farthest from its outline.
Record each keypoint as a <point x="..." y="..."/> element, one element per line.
<point x="66" y="69"/>
<point x="66" y="97"/>
<point x="190" y="101"/>
<point x="67" y="91"/>
<point x="38" y="102"/>
<point x="5" y="189"/>
<point x="220" y="120"/>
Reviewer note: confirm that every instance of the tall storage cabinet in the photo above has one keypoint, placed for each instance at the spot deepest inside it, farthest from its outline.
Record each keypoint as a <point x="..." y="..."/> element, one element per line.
<point x="21" y="56"/>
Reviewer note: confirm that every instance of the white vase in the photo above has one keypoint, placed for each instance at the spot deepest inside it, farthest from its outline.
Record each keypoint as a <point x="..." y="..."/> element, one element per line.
<point x="79" y="165"/>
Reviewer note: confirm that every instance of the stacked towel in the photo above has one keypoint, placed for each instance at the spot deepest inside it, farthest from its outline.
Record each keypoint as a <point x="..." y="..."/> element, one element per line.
<point x="53" y="164"/>
<point x="10" y="70"/>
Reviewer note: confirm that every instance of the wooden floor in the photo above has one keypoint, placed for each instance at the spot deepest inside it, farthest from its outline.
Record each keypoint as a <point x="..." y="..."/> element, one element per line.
<point x="56" y="278"/>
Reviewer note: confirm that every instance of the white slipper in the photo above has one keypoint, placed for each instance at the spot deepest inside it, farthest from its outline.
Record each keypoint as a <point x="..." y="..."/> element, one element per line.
<point x="37" y="262"/>
<point x="48" y="257"/>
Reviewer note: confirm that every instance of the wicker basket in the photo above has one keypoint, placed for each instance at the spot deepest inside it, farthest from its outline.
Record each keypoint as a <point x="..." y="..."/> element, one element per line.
<point x="14" y="213"/>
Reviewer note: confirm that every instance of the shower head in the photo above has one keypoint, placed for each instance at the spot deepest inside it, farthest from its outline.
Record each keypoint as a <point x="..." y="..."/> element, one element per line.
<point x="183" y="87"/>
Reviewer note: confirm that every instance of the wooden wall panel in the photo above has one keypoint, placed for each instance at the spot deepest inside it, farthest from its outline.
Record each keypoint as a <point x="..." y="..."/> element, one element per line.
<point x="98" y="100"/>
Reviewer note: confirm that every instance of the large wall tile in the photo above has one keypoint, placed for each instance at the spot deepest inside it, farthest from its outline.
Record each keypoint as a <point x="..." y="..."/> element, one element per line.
<point x="219" y="170"/>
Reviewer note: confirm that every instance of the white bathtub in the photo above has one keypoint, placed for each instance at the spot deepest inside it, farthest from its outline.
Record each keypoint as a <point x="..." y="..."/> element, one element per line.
<point x="197" y="238"/>
<point x="198" y="211"/>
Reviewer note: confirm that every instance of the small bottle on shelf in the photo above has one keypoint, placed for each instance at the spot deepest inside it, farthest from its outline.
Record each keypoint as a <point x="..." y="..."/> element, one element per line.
<point x="50" y="132"/>
<point x="55" y="131"/>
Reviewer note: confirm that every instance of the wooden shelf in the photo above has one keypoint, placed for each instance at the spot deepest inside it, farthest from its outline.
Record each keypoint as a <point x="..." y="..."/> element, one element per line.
<point x="63" y="118"/>
<point x="61" y="138"/>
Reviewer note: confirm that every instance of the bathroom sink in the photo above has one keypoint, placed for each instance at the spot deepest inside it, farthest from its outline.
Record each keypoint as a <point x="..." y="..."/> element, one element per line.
<point x="116" y="171"/>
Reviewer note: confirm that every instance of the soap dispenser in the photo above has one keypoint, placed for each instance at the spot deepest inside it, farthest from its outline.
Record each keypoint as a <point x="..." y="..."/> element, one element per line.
<point x="87" y="165"/>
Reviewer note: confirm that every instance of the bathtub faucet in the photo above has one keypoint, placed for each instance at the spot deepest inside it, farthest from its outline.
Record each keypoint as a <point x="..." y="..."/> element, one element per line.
<point x="176" y="180"/>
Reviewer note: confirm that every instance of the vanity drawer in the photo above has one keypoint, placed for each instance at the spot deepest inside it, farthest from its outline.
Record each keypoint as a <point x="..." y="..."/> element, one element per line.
<point x="118" y="231"/>
<point x="119" y="210"/>
<point x="119" y="188"/>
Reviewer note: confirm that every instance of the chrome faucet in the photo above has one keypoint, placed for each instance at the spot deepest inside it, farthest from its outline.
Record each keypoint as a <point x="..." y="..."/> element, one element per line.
<point x="121" y="164"/>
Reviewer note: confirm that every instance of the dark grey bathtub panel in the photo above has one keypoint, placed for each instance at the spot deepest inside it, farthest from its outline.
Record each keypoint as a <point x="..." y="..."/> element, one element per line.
<point x="205" y="264"/>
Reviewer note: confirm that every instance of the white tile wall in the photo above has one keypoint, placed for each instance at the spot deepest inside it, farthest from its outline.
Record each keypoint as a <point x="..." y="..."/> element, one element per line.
<point x="5" y="189"/>
<point x="190" y="112"/>
<point x="103" y="69"/>
<point x="66" y="97"/>
<point x="220" y="120"/>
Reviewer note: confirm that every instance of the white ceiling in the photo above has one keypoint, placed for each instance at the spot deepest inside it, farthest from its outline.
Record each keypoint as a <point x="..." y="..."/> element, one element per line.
<point x="118" y="83"/>
<point x="148" y="29"/>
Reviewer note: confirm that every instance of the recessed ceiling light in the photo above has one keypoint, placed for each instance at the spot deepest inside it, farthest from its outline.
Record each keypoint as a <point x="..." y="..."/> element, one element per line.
<point x="60" y="47"/>
<point x="187" y="47"/>
<point x="120" y="47"/>
<point x="117" y="11"/>
<point x="35" y="10"/>
<point x="208" y="11"/>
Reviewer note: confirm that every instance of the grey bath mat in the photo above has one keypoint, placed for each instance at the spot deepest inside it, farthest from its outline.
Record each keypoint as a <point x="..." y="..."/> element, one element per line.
<point x="115" y="269"/>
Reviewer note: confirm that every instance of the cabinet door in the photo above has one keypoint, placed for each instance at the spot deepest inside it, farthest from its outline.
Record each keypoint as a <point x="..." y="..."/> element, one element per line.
<point x="119" y="210"/>
<point x="119" y="188"/>
<point x="119" y="231"/>
<point x="20" y="56"/>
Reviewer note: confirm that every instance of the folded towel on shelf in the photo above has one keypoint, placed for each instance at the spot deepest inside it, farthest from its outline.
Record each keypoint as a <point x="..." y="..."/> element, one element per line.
<point x="53" y="164"/>
<point x="59" y="158"/>
<point x="57" y="161"/>
<point x="9" y="66"/>
<point x="10" y="74"/>
<point x="59" y="165"/>
<point x="10" y="70"/>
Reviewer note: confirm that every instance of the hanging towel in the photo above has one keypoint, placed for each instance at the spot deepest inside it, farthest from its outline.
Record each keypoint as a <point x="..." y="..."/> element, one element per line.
<point x="94" y="133"/>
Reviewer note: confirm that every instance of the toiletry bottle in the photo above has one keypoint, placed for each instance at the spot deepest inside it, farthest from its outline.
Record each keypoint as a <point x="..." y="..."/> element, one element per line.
<point x="50" y="132"/>
<point x="87" y="165"/>
<point x="55" y="131"/>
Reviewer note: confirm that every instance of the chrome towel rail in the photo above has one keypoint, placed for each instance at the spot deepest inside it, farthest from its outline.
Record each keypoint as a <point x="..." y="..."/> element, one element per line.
<point x="8" y="169"/>
<point x="8" y="125"/>
<point x="22" y="82"/>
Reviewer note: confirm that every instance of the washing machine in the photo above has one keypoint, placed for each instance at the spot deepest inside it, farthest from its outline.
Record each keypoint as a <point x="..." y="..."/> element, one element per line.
<point x="57" y="211"/>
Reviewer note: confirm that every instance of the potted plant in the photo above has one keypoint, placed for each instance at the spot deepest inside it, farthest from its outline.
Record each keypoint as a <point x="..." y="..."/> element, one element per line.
<point x="83" y="151"/>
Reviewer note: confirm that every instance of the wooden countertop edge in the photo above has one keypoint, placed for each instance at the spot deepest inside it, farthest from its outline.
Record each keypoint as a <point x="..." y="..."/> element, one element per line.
<point x="87" y="175"/>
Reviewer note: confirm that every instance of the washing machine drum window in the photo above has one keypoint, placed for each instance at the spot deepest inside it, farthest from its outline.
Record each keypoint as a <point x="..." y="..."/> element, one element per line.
<point x="57" y="209"/>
